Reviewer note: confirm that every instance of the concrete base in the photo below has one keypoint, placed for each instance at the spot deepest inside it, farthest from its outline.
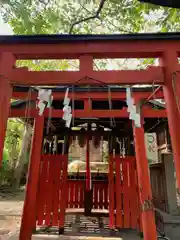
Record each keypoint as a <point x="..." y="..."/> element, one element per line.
<point x="171" y="224"/>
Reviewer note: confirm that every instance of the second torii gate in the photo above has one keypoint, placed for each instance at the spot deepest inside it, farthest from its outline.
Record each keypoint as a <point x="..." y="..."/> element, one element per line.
<point x="166" y="47"/>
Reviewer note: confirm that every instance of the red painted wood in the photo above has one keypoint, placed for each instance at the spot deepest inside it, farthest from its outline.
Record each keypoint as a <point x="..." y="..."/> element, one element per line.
<point x="88" y="169"/>
<point x="51" y="193"/>
<point x="42" y="191"/>
<point x="126" y="194"/>
<point x="133" y="193"/>
<point x="86" y="64"/>
<point x="98" y="192"/>
<point x="64" y="191"/>
<point x="101" y="194"/>
<point x="119" y="220"/>
<point x="126" y="204"/>
<point x="95" y="198"/>
<point x="60" y="191"/>
<point x="50" y="185"/>
<point x="148" y="220"/>
<point x="148" y="113"/>
<point x="59" y="185"/>
<point x="7" y="61"/>
<point x="76" y="194"/>
<point x="82" y="188"/>
<point x="30" y="204"/>
<point x="32" y="78"/>
<point x="111" y="193"/>
<point x="57" y="171"/>
<point x="99" y="49"/>
<point x="93" y="95"/>
<point x="69" y="194"/>
<point x="106" y="197"/>
<point x="170" y="62"/>
<point x="72" y="191"/>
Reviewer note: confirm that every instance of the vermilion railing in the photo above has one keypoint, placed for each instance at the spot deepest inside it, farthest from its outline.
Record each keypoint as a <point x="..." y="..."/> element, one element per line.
<point x="58" y="194"/>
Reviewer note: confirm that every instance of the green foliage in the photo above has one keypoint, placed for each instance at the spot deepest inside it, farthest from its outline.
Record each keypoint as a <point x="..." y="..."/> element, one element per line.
<point x="57" y="16"/>
<point x="11" y="151"/>
<point x="5" y="156"/>
<point x="48" y="65"/>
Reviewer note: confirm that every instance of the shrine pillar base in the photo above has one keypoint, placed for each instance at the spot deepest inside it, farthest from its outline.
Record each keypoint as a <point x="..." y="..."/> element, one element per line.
<point x="7" y="61"/>
<point x="148" y="218"/>
<point x="29" y="211"/>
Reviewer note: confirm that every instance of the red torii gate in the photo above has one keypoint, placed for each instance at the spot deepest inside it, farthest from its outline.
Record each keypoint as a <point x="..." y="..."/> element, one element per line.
<point x="166" y="47"/>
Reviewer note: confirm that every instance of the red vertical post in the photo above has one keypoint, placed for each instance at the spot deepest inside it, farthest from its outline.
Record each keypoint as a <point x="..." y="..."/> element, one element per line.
<point x="119" y="222"/>
<point x="88" y="174"/>
<point x="111" y="184"/>
<point x="7" y="61"/>
<point x="86" y="65"/>
<point x="111" y="193"/>
<point x="64" y="186"/>
<point x="170" y="63"/>
<point x="30" y="204"/>
<point x="148" y="220"/>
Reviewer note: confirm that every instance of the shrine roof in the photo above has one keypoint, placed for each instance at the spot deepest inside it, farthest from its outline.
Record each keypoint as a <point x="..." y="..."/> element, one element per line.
<point x="58" y="38"/>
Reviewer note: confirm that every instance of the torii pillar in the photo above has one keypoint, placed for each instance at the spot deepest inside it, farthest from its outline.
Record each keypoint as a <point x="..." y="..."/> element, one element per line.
<point x="7" y="62"/>
<point x="28" y="222"/>
<point x="145" y="193"/>
<point x="169" y="61"/>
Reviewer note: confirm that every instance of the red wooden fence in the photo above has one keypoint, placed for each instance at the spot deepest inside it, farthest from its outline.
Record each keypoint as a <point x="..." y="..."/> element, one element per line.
<point x="56" y="192"/>
<point x="51" y="198"/>
<point x="75" y="194"/>
<point x="100" y="195"/>
<point x="76" y="190"/>
<point x="127" y="199"/>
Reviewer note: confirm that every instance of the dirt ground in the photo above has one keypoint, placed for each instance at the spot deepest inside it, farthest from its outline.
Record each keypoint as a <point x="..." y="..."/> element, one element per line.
<point x="11" y="205"/>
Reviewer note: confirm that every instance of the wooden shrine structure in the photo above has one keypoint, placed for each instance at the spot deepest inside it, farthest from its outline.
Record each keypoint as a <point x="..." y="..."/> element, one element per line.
<point x="50" y="191"/>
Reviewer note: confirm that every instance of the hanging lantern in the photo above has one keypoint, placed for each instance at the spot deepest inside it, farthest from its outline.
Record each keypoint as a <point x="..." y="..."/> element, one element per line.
<point x="81" y="138"/>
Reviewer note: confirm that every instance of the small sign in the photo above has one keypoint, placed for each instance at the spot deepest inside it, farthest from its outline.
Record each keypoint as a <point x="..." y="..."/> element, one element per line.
<point x="151" y="147"/>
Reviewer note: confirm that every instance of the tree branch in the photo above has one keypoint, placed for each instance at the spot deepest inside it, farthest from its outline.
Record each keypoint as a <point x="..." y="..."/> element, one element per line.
<point x="96" y="15"/>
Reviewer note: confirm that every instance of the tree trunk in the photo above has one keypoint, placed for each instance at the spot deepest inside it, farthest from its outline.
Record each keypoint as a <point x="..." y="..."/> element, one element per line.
<point x="22" y="159"/>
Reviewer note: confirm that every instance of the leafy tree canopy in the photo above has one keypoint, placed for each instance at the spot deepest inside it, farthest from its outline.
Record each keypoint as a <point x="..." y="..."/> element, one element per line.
<point x="83" y="17"/>
<point x="115" y="16"/>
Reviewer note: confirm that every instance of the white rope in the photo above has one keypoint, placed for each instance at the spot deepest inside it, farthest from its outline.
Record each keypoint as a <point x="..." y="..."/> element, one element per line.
<point x="73" y="107"/>
<point x="112" y="120"/>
